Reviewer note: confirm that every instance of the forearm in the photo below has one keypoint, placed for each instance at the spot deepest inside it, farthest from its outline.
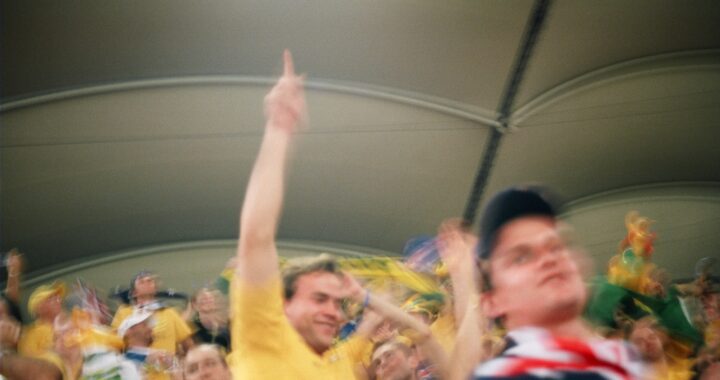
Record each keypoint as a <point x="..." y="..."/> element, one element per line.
<point x="434" y="352"/>
<point x="469" y="348"/>
<point x="420" y="333"/>
<point x="394" y="314"/>
<point x="464" y="289"/>
<point x="14" y="271"/>
<point x="257" y="256"/>
<point x="17" y="367"/>
<point x="264" y="195"/>
<point x="12" y="289"/>
<point x="284" y="108"/>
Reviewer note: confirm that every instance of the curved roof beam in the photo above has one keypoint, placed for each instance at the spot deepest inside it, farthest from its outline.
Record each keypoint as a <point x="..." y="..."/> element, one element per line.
<point x="676" y="61"/>
<point x="441" y="105"/>
<point x="314" y="247"/>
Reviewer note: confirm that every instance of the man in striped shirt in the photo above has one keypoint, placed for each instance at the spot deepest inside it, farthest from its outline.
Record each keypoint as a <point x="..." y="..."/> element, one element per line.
<point x="535" y="289"/>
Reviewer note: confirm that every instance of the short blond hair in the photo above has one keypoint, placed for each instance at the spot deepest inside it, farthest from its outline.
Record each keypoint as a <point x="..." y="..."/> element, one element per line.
<point x="299" y="267"/>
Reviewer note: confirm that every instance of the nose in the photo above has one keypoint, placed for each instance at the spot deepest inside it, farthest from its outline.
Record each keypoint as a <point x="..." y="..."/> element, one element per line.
<point x="549" y="257"/>
<point x="206" y="373"/>
<point x="332" y="310"/>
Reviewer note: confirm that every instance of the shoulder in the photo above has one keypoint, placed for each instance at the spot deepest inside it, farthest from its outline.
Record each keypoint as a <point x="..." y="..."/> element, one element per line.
<point x="37" y="328"/>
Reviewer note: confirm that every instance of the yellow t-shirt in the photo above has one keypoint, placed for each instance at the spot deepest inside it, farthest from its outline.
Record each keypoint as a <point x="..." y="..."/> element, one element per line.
<point x="169" y="329"/>
<point x="444" y="331"/>
<point x="266" y="346"/>
<point x="36" y="339"/>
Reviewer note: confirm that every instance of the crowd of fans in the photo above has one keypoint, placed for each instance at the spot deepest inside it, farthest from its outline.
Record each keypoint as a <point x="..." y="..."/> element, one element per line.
<point x="513" y="301"/>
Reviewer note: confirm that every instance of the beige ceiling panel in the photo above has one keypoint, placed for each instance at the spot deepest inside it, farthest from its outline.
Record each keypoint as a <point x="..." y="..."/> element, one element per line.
<point x="583" y="36"/>
<point x="657" y="126"/>
<point x="686" y="222"/>
<point x="454" y="49"/>
<point x="173" y="165"/>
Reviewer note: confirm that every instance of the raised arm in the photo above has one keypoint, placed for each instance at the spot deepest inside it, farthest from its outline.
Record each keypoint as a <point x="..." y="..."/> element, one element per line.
<point x="14" y="270"/>
<point x="420" y="332"/>
<point x="456" y="248"/>
<point x="15" y="366"/>
<point x="257" y="259"/>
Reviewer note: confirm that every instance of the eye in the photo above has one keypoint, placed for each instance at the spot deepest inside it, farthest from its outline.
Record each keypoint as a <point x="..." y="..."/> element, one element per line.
<point x="521" y="256"/>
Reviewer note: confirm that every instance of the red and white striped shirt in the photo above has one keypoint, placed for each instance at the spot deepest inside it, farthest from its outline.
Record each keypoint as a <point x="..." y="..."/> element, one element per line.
<point x="534" y="354"/>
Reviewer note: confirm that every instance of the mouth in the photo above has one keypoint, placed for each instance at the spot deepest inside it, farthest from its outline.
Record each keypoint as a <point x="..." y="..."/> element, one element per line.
<point x="327" y="327"/>
<point x="555" y="277"/>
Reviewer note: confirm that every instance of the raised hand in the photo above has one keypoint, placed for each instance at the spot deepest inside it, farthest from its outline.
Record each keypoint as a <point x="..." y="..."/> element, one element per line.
<point x="455" y="245"/>
<point x="285" y="106"/>
<point x="352" y="288"/>
<point x="9" y="334"/>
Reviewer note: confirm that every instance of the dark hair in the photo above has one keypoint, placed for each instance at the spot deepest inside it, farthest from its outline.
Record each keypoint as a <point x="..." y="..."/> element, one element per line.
<point x="297" y="268"/>
<point x="508" y="205"/>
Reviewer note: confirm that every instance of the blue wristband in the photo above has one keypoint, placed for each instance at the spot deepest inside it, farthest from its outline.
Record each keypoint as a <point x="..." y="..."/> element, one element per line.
<point x="367" y="299"/>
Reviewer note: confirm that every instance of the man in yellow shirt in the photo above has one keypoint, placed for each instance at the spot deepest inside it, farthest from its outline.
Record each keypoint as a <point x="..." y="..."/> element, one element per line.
<point x="274" y="338"/>
<point x="45" y="304"/>
<point x="285" y="328"/>
<point x="169" y="330"/>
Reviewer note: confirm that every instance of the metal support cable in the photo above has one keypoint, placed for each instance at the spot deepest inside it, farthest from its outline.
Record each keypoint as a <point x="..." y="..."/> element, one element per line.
<point x="530" y="37"/>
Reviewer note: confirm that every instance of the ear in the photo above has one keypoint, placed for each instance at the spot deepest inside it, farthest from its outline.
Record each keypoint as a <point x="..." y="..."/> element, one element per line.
<point x="489" y="305"/>
<point x="286" y="304"/>
<point x="289" y="307"/>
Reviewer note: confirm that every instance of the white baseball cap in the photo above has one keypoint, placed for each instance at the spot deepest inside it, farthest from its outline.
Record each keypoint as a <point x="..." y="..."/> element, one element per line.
<point x="133" y="319"/>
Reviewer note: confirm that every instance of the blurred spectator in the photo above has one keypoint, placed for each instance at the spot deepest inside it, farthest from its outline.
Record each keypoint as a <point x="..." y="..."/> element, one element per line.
<point x="535" y="289"/>
<point x="10" y="299"/>
<point x="395" y="360"/>
<point x="45" y="304"/>
<point x="651" y="342"/>
<point x="206" y="362"/>
<point x="210" y="319"/>
<point x="169" y="330"/>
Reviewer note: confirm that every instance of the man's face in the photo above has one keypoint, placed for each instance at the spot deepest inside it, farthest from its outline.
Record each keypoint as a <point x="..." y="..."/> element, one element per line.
<point x="50" y="307"/>
<point x="649" y="343"/>
<point x="145" y="286"/>
<point x="535" y="278"/>
<point x="392" y="363"/>
<point x="205" y="363"/>
<point x="315" y="309"/>
<point x="205" y="302"/>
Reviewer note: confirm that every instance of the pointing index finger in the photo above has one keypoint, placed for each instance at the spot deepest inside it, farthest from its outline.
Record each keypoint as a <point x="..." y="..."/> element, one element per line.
<point x="289" y="69"/>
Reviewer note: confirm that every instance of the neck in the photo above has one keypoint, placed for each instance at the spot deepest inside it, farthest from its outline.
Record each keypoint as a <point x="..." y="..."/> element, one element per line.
<point x="141" y="300"/>
<point x="573" y="328"/>
<point x="318" y="350"/>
